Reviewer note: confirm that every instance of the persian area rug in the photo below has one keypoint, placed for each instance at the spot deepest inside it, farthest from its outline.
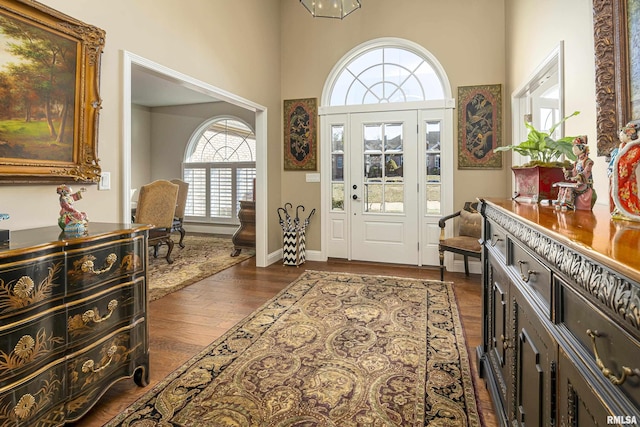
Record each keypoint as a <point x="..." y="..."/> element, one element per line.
<point x="201" y="257"/>
<point x="332" y="349"/>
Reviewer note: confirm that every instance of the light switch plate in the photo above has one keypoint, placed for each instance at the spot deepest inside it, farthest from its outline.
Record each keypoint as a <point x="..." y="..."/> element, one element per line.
<point x="105" y="181"/>
<point x="313" y="177"/>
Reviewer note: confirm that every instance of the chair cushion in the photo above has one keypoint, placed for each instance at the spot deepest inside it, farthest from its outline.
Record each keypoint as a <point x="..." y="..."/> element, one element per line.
<point x="465" y="243"/>
<point x="470" y="224"/>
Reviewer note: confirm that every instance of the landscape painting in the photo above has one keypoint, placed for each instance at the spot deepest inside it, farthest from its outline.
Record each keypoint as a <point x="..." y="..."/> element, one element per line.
<point x="49" y="100"/>
<point x="37" y="92"/>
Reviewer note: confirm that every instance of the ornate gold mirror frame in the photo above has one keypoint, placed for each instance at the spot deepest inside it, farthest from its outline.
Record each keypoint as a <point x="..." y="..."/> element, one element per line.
<point x="617" y="80"/>
<point x="49" y="101"/>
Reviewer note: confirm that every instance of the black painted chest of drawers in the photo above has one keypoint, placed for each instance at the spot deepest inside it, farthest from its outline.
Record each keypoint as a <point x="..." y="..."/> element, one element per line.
<point x="72" y="320"/>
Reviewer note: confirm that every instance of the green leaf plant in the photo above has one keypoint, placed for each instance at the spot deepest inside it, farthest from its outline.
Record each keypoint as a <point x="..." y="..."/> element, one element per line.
<point x="541" y="148"/>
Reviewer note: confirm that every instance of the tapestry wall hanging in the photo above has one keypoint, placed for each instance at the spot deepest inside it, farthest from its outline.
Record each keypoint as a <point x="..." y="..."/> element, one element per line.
<point x="479" y="126"/>
<point x="300" y="134"/>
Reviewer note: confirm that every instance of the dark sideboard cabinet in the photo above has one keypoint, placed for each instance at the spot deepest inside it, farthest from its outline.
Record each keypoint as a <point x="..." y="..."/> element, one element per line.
<point x="561" y="313"/>
<point x="73" y="320"/>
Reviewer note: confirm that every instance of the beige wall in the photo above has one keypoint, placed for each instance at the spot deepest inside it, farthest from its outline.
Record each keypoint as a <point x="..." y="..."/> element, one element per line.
<point x="171" y="128"/>
<point x="280" y="52"/>
<point x="467" y="38"/>
<point x="140" y="146"/>
<point x="224" y="43"/>
<point x="527" y="47"/>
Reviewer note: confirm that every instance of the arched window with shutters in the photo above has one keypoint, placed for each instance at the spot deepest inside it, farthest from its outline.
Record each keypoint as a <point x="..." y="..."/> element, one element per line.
<point x="220" y="166"/>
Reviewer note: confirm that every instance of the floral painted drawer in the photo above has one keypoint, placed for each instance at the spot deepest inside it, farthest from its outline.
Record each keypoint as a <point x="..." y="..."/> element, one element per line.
<point x="114" y="307"/>
<point x="37" y="401"/>
<point x="30" y="345"/>
<point x="30" y="284"/>
<point x="103" y="262"/>
<point x="102" y="364"/>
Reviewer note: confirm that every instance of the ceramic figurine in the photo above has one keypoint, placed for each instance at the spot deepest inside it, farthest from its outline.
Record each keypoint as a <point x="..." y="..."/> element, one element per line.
<point x="624" y="174"/>
<point x="627" y="134"/>
<point x="71" y="220"/>
<point x="577" y="192"/>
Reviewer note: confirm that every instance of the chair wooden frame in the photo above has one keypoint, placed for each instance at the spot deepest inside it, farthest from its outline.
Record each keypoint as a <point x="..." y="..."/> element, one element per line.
<point x="448" y="245"/>
<point x="178" y="218"/>
<point x="156" y="206"/>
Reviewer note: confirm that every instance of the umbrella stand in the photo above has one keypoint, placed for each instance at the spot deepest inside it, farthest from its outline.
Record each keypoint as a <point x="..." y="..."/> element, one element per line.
<point x="293" y="249"/>
<point x="294" y="239"/>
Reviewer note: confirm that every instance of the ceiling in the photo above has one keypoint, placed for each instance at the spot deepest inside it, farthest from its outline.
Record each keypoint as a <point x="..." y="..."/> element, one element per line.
<point x="152" y="89"/>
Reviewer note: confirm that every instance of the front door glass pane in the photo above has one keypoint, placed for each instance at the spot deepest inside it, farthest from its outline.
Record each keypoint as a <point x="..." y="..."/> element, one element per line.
<point x="383" y="161"/>
<point x="394" y="198"/>
<point x="433" y="172"/>
<point x="337" y="167"/>
<point x="373" y="194"/>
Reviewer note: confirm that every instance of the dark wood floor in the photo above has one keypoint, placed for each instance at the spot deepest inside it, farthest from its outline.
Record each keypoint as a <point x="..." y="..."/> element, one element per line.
<point x="184" y="322"/>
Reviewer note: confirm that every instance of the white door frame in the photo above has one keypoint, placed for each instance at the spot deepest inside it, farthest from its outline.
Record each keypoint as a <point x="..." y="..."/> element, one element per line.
<point x="447" y="162"/>
<point x="128" y="59"/>
<point x="381" y="236"/>
<point x="521" y="99"/>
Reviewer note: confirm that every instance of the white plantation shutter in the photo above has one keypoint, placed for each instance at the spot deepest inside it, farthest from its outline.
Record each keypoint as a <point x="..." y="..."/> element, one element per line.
<point x="220" y="169"/>
<point x="196" y="198"/>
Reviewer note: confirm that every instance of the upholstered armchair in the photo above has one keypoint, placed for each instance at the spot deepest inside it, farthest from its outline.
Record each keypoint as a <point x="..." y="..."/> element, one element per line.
<point x="178" y="217"/>
<point x="466" y="240"/>
<point x="157" y="206"/>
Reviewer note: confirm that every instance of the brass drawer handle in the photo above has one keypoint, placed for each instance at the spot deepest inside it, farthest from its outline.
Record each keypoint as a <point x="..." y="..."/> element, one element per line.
<point x="493" y="242"/>
<point x="626" y="371"/>
<point x="89" y="365"/>
<point x="94" y="315"/>
<point x="87" y="266"/>
<point x="506" y="344"/>
<point x="526" y="278"/>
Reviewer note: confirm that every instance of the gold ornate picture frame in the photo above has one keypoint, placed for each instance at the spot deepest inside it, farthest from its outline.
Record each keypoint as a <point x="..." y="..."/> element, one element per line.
<point x="301" y="134"/>
<point x="616" y="26"/>
<point x="49" y="108"/>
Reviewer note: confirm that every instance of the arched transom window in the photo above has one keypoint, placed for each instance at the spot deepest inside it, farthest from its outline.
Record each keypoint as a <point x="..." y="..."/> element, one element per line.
<point x="386" y="75"/>
<point x="220" y="167"/>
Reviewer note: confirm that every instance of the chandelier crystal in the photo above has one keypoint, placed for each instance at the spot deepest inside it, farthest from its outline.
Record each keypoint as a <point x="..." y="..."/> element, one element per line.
<point x="331" y="8"/>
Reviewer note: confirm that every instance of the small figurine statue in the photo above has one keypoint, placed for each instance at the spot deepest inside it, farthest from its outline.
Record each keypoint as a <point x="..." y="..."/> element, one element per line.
<point x="71" y="220"/>
<point x="625" y="165"/>
<point x="577" y="192"/>
<point x="627" y="134"/>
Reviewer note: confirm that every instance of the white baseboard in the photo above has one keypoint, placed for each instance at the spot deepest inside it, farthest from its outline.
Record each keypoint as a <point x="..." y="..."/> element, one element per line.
<point x="475" y="266"/>
<point x="311" y="256"/>
<point x="211" y="228"/>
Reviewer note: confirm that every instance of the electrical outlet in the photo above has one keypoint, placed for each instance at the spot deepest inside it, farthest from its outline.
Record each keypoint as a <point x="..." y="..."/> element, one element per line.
<point x="105" y="181"/>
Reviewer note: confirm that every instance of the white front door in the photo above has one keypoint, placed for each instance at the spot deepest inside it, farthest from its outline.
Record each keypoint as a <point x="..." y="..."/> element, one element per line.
<point x="384" y="188"/>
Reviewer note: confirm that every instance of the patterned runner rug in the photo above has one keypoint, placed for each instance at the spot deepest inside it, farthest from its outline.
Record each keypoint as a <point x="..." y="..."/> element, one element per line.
<point x="332" y="349"/>
<point x="201" y="257"/>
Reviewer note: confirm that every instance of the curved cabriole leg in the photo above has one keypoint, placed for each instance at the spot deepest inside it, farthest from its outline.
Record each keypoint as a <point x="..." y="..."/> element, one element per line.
<point x="183" y="232"/>
<point x="170" y="244"/>
<point x="141" y="376"/>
